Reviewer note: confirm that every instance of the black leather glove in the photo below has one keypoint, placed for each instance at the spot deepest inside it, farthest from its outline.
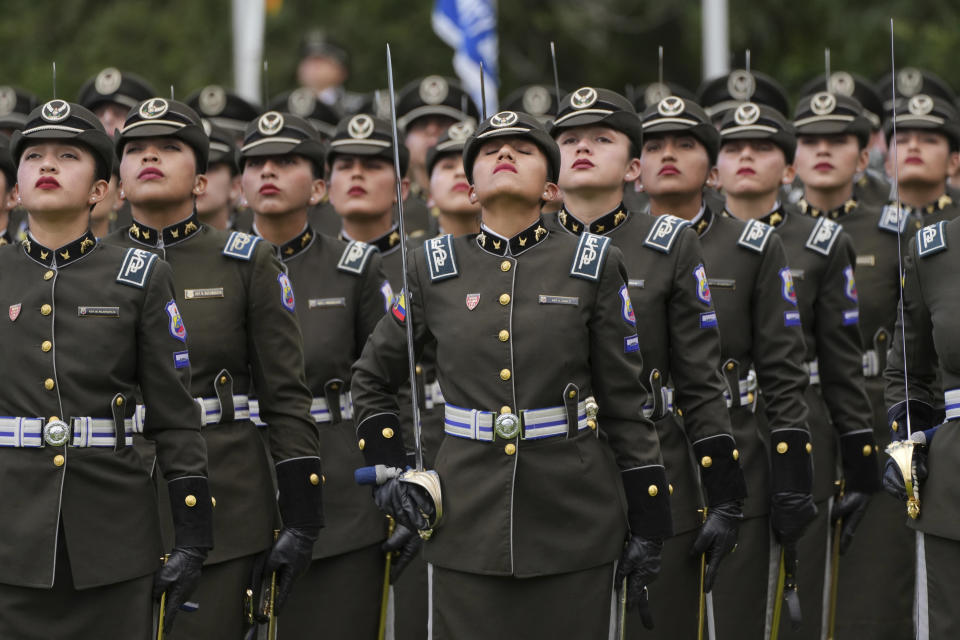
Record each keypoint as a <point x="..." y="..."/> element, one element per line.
<point x="290" y="557"/>
<point x="640" y="565"/>
<point x="790" y="513"/>
<point x="893" y="479"/>
<point x="718" y="537"/>
<point x="178" y="578"/>
<point x="406" y="544"/>
<point x="409" y="504"/>
<point x="850" y="507"/>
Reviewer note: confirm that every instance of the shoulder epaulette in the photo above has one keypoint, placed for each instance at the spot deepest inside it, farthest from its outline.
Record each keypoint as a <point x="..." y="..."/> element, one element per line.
<point x="755" y="236"/>
<point x="591" y="252"/>
<point x="932" y="239"/>
<point x="240" y="245"/>
<point x="136" y="268"/>
<point x="664" y="232"/>
<point x="440" y="258"/>
<point x="823" y="236"/>
<point x="889" y="219"/>
<point x="355" y="257"/>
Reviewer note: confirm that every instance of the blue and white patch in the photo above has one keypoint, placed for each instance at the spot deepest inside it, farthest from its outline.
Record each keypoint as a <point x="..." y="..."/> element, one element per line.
<point x="136" y="268"/>
<point x="755" y="236"/>
<point x="286" y="292"/>
<point x="703" y="287"/>
<point x="932" y="239"/>
<point x="591" y="252"/>
<point x="823" y="236"/>
<point x="849" y="284"/>
<point x="181" y="359"/>
<point x="851" y="316"/>
<point x="892" y="220"/>
<point x="355" y="257"/>
<point x="787" y="289"/>
<point x="626" y="307"/>
<point x="664" y="232"/>
<point x="240" y="245"/>
<point x="441" y="261"/>
<point x="631" y="344"/>
<point x="387" y="292"/>
<point x="791" y="318"/>
<point x="177" y="329"/>
<point x="708" y="320"/>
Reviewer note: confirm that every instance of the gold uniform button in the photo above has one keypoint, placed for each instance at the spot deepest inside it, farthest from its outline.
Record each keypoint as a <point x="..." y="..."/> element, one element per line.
<point x="387" y="433"/>
<point x="419" y="370"/>
<point x="53" y="418"/>
<point x="46" y="345"/>
<point x="48" y="384"/>
<point x="592" y="424"/>
<point x="362" y="444"/>
<point x="572" y="394"/>
<point x="730" y="366"/>
<point x="680" y="412"/>
<point x="894" y="425"/>
<point x="782" y="447"/>
<point x="213" y="501"/>
<point x="504" y="298"/>
<point x="120" y="401"/>
<point x="706" y="461"/>
<point x="190" y="500"/>
<point x="505" y="265"/>
<point x="809" y="448"/>
<point x="736" y="454"/>
<point x="314" y="479"/>
<point x="223" y="379"/>
<point x="881" y="337"/>
<point x="653" y="491"/>
<point x="335" y="386"/>
<point x="46" y="310"/>
<point x="48" y="275"/>
<point x="656" y="375"/>
<point x="750" y="398"/>
<point x="505" y="409"/>
<point x="867" y="450"/>
<point x="670" y="487"/>
<point x="510" y="449"/>
<point x="504" y="374"/>
<point x="504" y="335"/>
<point x="58" y="460"/>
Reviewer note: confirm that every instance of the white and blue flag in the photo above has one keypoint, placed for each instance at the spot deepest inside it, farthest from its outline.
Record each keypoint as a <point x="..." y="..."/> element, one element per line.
<point x="470" y="28"/>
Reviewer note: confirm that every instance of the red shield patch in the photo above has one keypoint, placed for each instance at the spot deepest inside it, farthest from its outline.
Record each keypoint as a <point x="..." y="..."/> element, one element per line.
<point x="473" y="299"/>
<point x="14" y="312"/>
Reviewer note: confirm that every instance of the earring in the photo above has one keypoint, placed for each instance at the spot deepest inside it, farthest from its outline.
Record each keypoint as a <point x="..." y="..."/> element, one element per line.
<point x="121" y="193"/>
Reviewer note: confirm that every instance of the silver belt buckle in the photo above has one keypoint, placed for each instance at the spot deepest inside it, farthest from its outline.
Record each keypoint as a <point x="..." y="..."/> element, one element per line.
<point x="56" y="433"/>
<point x="507" y="426"/>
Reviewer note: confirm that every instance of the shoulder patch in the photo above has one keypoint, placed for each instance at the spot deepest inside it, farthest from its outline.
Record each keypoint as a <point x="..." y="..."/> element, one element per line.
<point x="932" y="239"/>
<point x="664" y="232"/>
<point x="440" y="258"/>
<point x="755" y="236"/>
<point x="355" y="257"/>
<point x="136" y="268"/>
<point x="823" y="236"/>
<point x="591" y="252"/>
<point x="240" y="245"/>
<point x="891" y="221"/>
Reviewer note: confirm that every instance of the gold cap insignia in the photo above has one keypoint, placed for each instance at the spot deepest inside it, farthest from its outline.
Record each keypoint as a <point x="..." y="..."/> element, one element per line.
<point x="920" y="104"/>
<point x="842" y="82"/>
<point x="302" y="102"/>
<point x="746" y="114"/>
<point x="154" y="108"/>
<point x="213" y="100"/>
<point x="536" y="100"/>
<point x="360" y="126"/>
<point x="270" y="123"/>
<point x="504" y="119"/>
<point x="583" y="97"/>
<point x="671" y="106"/>
<point x="460" y="131"/>
<point x="434" y="89"/>
<point x="8" y="100"/>
<point x="741" y="84"/>
<point x="823" y="103"/>
<point x="108" y="81"/>
<point x="909" y="81"/>
<point x="655" y="92"/>
<point x="55" y="111"/>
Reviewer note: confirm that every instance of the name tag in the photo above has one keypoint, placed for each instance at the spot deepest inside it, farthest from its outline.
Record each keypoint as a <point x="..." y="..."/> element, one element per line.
<point x="571" y="300"/>
<point x="326" y="303"/>
<point x="635" y="284"/>
<point x="199" y="294"/>
<point x="866" y="261"/>
<point x="797" y="274"/>
<point x="98" y="312"/>
<point x="722" y="283"/>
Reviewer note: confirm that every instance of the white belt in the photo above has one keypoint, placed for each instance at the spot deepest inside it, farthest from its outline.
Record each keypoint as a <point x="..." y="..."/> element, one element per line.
<point x="951" y="403"/>
<point x="432" y="394"/>
<point x="210" y="412"/>
<point x="871" y="364"/>
<point x="747" y="386"/>
<point x="474" y="424"/>
<point x="87" y="432"/>
<point x="813" y="368"/>
<point x="319" y="409"/>
<point x="667" y="393"/>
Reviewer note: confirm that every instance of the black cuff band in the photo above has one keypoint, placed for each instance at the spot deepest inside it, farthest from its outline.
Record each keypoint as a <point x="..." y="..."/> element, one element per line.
<point x="301" y="493"/>
<point x="922" y="417"/>
<point x="380" y="440"/>
<point x="791" y="461"/>
<point x="648" y="502"/>
<point x="861" y="470"/>
<point x="720" y="470"/>
<point x="192" y="509"/>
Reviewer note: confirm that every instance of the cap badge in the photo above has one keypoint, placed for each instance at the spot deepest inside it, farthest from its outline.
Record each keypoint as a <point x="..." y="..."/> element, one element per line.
<point x="536" y="100"/>
<point x="213" y="100"/>
<point x="909" y="81"/>
<point x="823" y="103"/>
<point x="360" y="126"/>
<point x="270" y="123"/>
<point x="504" y="119"/>
<point x="741" y="84"/>
<point x="302" y="102"/>
<point x="583" y="97"/>
<point x="8" y="100"/>
<point x="671" y="106"/>
<point x="434" y="89"/>
<point x="747" y="113"/>
<point x="460" y="131"/>
<point x="154" y="108"/>
<point x="655" y="92"/>
<point x="843" y="83"/>
<point x="107" y="81"/>
<point x="207" y="127"/>
<point x="920" y="104"/>
<point x="55" y="111"/>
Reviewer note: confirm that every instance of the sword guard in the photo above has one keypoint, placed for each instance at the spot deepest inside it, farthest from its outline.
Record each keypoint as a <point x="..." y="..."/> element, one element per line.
<point x="902" y="452"/>
<point x="430" y="482"/>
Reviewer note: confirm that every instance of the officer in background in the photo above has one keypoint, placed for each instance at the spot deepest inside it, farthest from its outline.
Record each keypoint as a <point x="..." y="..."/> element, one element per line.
<point x="225" y="109"/>
<point x="90" y="327"/>
<point x="720" y="95"/>
<point x="324" y="69"/>
<point x="111" y="94"/>
<point x="241" y="309"/>
<point x="217" y="205"/>
<point x="15" y="105"/>
<point x="8" y="193"/>
<point x="449" y="187"/>
<point x="539" y="100"/>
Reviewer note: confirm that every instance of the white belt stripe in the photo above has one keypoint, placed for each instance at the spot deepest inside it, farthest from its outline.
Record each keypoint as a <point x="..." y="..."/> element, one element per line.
<point x="474" y="424"/>
<point x="87" y="432"/>
<point x="432" y="394"/>
<point x="871" y="364"/>
<point x="951" y="403"/>
<point x="319" y="409"/>
<point x="813" y="368"/>
<point x="747" y="385"/>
